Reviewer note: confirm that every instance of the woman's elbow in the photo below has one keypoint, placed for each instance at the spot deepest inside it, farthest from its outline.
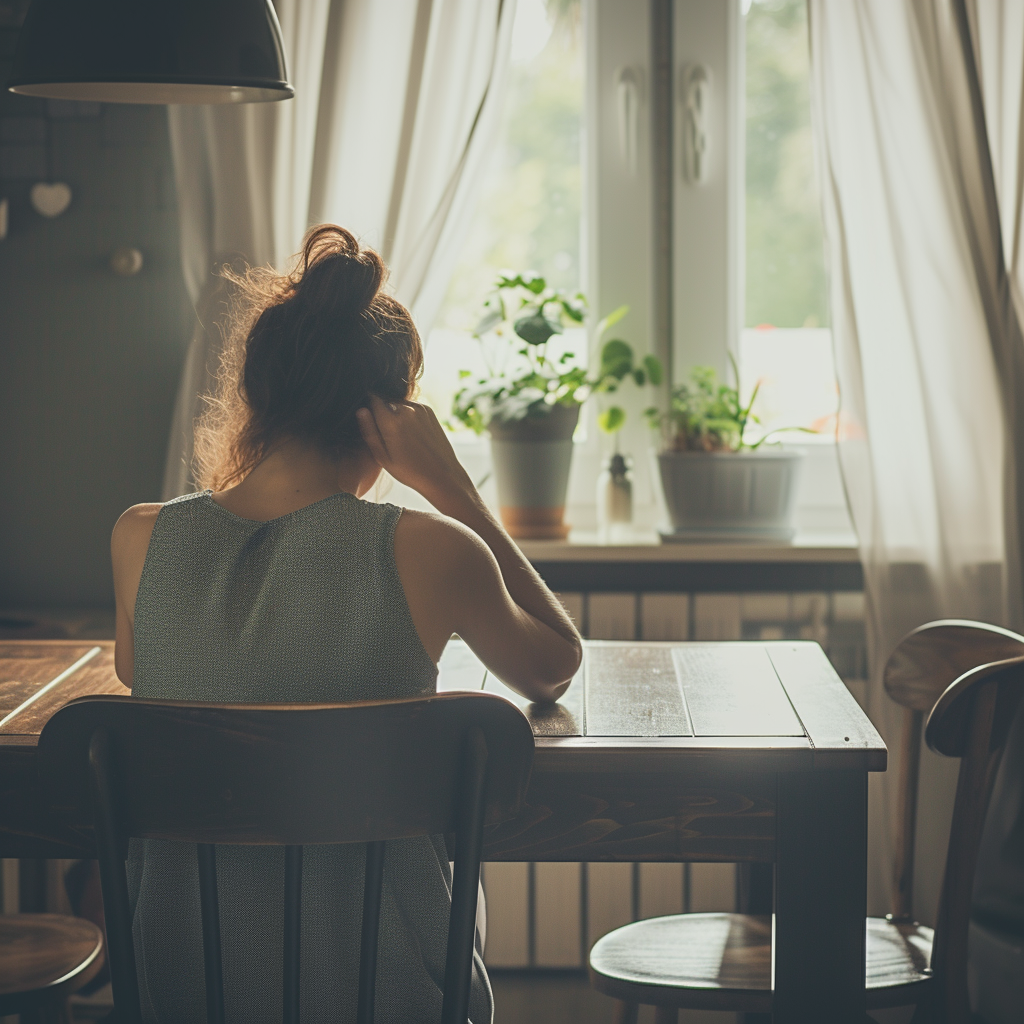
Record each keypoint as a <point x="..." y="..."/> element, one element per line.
<point x="554" y="674"/>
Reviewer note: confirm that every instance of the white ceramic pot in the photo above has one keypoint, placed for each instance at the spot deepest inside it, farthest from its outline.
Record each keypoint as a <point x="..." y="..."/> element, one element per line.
<point x="747" y="495"/>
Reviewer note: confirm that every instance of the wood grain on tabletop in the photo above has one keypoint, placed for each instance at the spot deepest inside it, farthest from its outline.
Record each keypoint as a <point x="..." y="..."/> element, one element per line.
<point x="829" y="713"/>
<point x="633" y="691"/>
<point x="26" y="667"/>
<point x="95" y="677"/>
<point x="734" y="691"/>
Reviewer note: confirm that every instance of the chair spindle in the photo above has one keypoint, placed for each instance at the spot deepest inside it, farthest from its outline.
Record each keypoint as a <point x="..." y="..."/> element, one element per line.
<point x="373" y="886"/>
<point x="458" y="971"/>
<point x="292" y="931"/>
<point x="206" y="855"/>
<point x="114" y="880"/>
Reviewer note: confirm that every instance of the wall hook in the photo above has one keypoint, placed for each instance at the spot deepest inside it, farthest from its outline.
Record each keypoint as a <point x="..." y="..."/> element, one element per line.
<point x="696" y="97"/>
<point x="126" y="261"/>
<point x="629" y="97"/>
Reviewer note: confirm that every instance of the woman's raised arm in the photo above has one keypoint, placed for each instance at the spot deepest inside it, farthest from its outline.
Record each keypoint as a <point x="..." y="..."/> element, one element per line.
<point x="470" y="579"/>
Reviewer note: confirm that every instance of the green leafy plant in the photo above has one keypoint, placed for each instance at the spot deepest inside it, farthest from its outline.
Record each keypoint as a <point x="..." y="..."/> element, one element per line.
<point x="525" y="380"/>
<point x="706" y="415"/>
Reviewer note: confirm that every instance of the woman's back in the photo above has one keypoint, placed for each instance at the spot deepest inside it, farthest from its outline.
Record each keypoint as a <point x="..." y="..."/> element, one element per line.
<point x="308" y="607"/>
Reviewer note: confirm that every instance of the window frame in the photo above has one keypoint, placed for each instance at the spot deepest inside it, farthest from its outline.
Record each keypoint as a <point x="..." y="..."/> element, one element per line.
<point x="693" y="313"/>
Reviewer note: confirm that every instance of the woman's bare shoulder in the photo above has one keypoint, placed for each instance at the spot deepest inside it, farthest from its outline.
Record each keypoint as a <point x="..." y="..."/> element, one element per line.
<point x="134" y="528"/>
<point x="439" y="540"/>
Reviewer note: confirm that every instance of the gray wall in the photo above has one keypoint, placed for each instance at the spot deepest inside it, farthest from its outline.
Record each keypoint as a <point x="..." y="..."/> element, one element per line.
<point x="89" y="361"/>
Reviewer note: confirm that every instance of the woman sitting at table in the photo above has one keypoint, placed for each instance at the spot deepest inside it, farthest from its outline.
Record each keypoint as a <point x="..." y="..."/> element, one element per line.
<point x="278" y="582"/>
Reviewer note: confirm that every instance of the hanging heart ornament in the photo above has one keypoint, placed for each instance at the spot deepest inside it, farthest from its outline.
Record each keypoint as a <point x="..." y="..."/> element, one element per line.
<point x="51" y="200"/>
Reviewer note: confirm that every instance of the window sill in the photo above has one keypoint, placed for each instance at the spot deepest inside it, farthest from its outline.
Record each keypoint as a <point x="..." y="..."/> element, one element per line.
<point x="583" y="546"/>
<point x="812" y="563"/>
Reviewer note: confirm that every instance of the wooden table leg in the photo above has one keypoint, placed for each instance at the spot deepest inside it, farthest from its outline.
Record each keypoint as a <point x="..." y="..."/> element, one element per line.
<point x="820" y="897"/>
<point x="755" y="894"/>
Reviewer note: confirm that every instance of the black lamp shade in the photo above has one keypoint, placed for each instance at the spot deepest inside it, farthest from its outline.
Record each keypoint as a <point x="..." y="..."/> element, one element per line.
<point x="151" y="51"/>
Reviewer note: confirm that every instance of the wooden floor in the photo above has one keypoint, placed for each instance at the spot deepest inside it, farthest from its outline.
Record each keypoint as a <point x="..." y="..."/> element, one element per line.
<point x="565" y="997"/>
<point x="533" y="997"/>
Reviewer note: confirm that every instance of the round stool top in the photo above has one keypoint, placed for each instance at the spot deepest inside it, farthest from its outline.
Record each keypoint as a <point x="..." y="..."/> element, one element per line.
<point x="40" y="951"/>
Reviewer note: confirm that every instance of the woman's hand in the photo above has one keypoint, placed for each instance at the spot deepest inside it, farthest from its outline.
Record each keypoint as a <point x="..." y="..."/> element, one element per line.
<point x="407" y="440"/>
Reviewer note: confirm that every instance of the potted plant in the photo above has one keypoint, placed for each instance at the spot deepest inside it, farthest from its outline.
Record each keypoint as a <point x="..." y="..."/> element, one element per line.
<point x="718" y="485"/>
<point x="529" y="400"/>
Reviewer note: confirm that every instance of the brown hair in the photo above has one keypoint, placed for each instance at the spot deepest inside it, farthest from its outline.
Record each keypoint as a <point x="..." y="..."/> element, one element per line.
<point x="303" y="351"/>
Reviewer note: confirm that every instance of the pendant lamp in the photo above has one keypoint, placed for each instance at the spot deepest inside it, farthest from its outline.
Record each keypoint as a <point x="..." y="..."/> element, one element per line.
<point x="151" y="51"/>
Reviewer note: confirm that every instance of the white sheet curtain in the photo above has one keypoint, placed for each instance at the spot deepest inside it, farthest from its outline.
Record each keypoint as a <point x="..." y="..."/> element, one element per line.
<point x="917" y="107"/>
<point x="395" y="110"/>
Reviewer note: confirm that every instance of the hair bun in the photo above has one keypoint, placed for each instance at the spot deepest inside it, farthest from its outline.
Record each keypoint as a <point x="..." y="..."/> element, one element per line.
<point x="332" y="261"/>
<point x="306" y="351"/>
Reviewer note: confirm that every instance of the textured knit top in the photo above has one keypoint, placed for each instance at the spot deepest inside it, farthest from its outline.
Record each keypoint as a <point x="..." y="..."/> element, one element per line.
<point x="308" y="607"/>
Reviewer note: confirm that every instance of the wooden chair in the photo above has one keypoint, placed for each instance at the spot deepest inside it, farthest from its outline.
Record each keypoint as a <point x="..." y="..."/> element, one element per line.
<point x="44" y="959"/>
<point x="288" y="775"/>
<point x="969" y="676"/>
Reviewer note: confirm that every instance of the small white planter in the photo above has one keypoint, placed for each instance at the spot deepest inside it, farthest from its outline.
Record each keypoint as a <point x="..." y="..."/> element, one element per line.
<point x="717" y="496"/>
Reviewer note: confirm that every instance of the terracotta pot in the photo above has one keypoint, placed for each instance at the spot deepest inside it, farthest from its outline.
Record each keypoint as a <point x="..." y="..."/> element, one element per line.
<point x="531" y="459"/>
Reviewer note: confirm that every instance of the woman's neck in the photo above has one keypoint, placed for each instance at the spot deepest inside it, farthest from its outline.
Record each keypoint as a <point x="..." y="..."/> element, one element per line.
<point x="294" y="475"/>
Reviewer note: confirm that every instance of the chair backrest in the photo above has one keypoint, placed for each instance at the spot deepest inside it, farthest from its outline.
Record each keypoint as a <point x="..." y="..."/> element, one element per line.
<point x="923" y="664"/>
<point x="978" y="671"/>
<point x="288" y="775"/>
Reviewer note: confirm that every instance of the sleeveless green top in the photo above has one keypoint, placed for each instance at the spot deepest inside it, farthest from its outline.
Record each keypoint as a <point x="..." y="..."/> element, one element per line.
<point x="307" y="607"/>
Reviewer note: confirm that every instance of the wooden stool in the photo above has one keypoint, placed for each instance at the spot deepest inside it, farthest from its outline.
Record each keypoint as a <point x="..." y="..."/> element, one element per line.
<point x="723" y="962"/>
<point x="44" y="959"/>
<point x="970" y="677"/>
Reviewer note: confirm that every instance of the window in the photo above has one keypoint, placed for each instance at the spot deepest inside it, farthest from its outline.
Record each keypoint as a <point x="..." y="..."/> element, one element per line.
<point x="785" y="343"/>
<point x="747" y="259"/>
<point x="528" y="214"/>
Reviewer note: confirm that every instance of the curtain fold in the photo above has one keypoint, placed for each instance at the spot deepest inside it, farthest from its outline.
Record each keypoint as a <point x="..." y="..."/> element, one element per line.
<point x="929" y="355"/>
<point x="395" y="110"/>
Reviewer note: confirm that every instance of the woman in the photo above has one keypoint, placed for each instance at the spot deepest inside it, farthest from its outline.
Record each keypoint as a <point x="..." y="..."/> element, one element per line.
<point x="277" y="583"/>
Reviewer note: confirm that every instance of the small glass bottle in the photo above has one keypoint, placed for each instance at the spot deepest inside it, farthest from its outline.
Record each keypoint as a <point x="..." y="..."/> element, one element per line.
<point x="615" y="500"/>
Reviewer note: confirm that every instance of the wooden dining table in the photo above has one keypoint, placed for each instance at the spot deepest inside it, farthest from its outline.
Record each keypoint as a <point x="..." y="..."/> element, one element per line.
<point x="749" y="752"/>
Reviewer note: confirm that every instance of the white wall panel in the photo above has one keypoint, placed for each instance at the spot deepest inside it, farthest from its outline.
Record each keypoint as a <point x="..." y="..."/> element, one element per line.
<point x="557" y="893"/>
<point x="661" y="889"/>
<point x="665" y="616"/>
<point x="506" y="888"/>
<point x="765" y="607"/>
<point x="611" y="616"/>
<point x="609" y="898"/>
<point x="712" y="888"/>
<point x="848" y="607"/>
<point x="717" y="617"/>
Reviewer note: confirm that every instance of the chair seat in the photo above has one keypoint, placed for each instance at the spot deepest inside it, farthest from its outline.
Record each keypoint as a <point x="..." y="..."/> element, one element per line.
<point x="45" y="956"/>
<point x="723" y="962"/>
